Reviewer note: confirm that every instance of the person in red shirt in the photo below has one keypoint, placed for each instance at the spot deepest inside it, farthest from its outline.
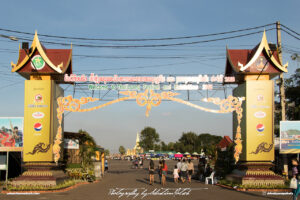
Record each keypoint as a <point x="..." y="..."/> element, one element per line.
<point x="164" y="173"/>
<point x="4" y="138"/>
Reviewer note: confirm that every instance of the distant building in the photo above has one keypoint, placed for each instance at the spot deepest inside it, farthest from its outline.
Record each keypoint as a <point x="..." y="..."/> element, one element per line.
<point x="224" y="143"/>
<point x="136" y="149"/>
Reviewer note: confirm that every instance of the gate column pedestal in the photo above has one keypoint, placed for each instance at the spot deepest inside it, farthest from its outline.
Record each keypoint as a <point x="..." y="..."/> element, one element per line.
<point x="40" y="174"/>
<point x="255" y="174"/>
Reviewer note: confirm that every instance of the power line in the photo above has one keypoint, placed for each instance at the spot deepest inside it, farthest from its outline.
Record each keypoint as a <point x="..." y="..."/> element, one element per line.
<point x="290" y="30"/>
<point x="141" y="39"/>
<point x="147" y="57"/>
<point x="155" y="45"/>
<point x="290" y="34"/>
<point x="9" y="85"/>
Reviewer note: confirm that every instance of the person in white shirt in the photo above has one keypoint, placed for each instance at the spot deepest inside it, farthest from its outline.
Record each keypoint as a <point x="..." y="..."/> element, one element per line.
<point x="183" y="171"/>
<point x="178" y="167"/>
<point x="175" y="173"/>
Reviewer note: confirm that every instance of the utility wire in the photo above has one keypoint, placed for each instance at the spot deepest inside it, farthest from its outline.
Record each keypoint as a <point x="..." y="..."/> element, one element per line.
<point x="290" y="29"/>
<point x="155" y="45"/>
<point x="148" y="57"/>
<point x="143" y="39"/>
<point x="290" y="34"/>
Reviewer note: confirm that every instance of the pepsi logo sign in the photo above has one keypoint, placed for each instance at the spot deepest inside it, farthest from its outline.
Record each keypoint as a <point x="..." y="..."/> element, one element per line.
<point x="260" y="128"/>
<point x="38" y="126"/>
<point x="38" y="115"/>
<point x="260" y="114"/>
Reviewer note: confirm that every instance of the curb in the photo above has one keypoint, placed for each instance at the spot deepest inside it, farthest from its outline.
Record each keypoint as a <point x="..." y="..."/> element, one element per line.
<point x="254" y="190"/>
<point x="49" y="191"/>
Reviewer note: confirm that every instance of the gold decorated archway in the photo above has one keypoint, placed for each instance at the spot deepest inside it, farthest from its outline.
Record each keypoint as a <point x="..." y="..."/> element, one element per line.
<point x="148" y="98"/>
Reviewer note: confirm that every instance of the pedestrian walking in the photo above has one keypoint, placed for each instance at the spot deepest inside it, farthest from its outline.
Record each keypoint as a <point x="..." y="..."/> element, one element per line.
<point x="136" y="163"/>
<point x="201" y="169"/>
<point x="164" y="172"/>
<point x="151" y="172"/>
<point x="105" y="165"/>
<point x="175" y="174"/>
<point x="178" y="167"/>
<point x="142" y="162"/>
<point x="295" y="173"/>
<point x="159" y="169"/>
<point x="190" y="170"/>
<point x="183" y="171"/>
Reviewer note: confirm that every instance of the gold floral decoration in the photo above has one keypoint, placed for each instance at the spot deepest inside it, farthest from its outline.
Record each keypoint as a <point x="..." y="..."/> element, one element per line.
<point x="148" y="98"/>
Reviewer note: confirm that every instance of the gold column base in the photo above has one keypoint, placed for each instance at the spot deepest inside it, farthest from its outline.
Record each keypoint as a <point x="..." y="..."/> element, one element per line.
<point x="255" y="174"/>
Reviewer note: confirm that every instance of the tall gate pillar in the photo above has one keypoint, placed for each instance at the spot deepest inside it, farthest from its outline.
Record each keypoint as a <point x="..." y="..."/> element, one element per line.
<point x="44" y="70"/>
<point x="253" y="70"/>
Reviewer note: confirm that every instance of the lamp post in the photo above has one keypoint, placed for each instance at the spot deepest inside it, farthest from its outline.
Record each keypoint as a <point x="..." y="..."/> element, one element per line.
<point x="13" y="38"/>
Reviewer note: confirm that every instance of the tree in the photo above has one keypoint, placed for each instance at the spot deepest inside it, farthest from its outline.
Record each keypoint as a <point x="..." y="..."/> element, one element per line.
<point x="292" y="97"/>
<point x="225" y="162"/>
<point x="157" y="147"/>
<point x="171" y="146"/>
<point x="292" y="94"/>
<point x="208" y="143"/>
<point x="87" y="149"/>
<point x="122" y="150"/>
<point x="163" y="146"/>
<point x="179" y="147"/>
<point x="149" y="137"/>
<point x="106" y="152"/>
<point x="189" y="141"/>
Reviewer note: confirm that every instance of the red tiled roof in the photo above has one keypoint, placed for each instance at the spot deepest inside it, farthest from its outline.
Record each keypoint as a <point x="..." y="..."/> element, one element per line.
<point x="225" y="142"/>
<point x="56" y="56"/>
<point x="243" y="56"/>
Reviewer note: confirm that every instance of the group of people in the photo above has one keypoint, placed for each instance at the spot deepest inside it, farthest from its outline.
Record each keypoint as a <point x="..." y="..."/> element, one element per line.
<point x="138" y="163"/>
<point x="182" y="171"/>
<point x="11" y="137"/>
<point x="204" y="169"/>
<point x="162" y="172"/>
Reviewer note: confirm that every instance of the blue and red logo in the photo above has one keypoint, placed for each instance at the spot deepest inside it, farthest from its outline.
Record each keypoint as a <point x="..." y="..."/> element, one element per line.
<point x="260" y="127"/>
<point x="38" y="126"/>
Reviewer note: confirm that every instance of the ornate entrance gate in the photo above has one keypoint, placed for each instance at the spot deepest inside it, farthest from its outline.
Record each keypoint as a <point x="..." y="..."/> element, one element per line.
<point x="252" y="102"/>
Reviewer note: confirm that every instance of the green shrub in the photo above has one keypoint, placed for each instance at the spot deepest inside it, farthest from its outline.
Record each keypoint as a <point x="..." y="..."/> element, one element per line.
<point x="74" y="165"/>
<point x="248" y="186"/>
<point x="63" y="185"/>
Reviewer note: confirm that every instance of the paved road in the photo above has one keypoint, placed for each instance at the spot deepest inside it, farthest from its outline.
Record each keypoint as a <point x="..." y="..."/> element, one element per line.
<point x="135" y="181"/>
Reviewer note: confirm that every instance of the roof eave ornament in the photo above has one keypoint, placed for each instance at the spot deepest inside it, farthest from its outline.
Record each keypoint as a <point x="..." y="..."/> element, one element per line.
<point x="36" y="45"/>
<point x="263" y="45"/>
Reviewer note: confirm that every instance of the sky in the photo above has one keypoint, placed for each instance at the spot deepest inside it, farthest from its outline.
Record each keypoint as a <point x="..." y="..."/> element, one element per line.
<point x="127" y="19"/>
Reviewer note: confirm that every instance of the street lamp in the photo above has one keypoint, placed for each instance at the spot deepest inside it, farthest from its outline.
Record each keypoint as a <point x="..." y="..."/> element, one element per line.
<point x="9" y="37"/>
<point x="295" y="56"/>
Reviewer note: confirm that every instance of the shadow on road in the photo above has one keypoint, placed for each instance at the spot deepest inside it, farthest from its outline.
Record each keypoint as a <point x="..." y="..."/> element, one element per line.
<point x="145" y="180"/>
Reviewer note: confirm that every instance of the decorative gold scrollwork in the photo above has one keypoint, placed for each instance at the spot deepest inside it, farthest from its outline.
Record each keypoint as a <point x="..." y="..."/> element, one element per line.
<point x="40" y="148"/>
<point x="148" y="99"/>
